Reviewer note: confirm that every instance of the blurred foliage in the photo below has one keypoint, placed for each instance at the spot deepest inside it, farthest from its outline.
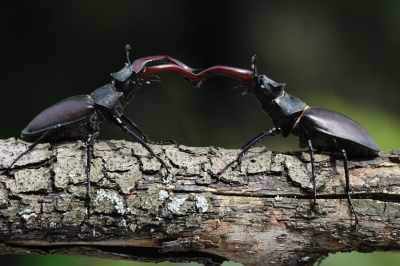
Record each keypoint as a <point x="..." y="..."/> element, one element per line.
<point x="32" y="260"/>
<point x="79" y="261"/>
<point x="360" y="259"/>
<point x="342" y="55"/>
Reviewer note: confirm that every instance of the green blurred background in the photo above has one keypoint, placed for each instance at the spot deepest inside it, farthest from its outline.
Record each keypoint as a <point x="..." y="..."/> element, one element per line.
<point x="342" y="55"/>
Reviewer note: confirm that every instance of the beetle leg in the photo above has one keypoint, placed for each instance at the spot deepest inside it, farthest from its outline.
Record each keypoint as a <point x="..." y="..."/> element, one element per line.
<point x="313" y="174"/>
<point x="33" y="145"/>
<point x="89" y="150"/>
<point x="127" y="130"/>
<point x="246" y="147"/>
<point x="144" y="136"/>
<point x="346" y="173"/>
<point x="136" y="127"/>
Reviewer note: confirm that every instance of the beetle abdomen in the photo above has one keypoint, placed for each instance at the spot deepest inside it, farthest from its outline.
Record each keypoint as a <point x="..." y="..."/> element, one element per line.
<point x="329" y="130"/>
<point x="75" y="111"/>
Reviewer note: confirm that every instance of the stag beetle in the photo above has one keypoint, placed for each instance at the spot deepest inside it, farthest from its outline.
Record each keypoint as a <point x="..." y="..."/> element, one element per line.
<point x="317" y="128"/>
<point x="79" y="117"/>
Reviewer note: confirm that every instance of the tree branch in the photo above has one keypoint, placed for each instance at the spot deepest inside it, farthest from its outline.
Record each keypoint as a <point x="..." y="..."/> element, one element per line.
<point x="258" y="213"/>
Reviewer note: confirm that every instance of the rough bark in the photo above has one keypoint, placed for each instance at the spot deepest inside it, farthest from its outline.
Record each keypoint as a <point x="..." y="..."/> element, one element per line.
<point x="258" y="213"/>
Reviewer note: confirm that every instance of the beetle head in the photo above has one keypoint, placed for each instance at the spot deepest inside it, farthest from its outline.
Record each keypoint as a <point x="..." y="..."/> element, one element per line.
<point x="264" y="88"/>
<point x="125" y="80"/>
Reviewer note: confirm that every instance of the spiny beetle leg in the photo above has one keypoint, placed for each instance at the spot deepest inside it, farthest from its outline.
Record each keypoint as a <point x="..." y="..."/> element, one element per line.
<point x="313" y="174"/>
<point x="89" y="150"/>
<point x="346" y="173"/>
<point x="144" y="135"/>
<point x="246" y="147"/>
<point x="45" y="135"/>
<point x="147" y="147"/>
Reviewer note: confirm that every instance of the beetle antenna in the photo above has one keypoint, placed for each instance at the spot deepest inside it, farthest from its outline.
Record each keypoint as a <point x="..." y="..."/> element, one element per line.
<point x="254" y="65"/>
<point x="128" y="49"/>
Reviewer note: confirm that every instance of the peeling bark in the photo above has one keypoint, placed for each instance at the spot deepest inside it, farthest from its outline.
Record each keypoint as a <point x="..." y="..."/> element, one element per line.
<point x="258" y="213"/>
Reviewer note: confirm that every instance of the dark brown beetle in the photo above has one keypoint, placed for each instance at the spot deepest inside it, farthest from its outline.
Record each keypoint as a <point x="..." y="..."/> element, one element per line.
<point x="317" y="128"/>
<point x="78" y="117"/>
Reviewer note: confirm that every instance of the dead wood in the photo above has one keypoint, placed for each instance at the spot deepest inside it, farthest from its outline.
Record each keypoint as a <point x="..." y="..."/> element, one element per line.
<point x="258" y="213"/>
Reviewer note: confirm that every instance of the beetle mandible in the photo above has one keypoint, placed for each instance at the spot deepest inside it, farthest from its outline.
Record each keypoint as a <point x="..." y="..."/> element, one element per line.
<point x="317" y="128"/>
<point x="78" y="117"/>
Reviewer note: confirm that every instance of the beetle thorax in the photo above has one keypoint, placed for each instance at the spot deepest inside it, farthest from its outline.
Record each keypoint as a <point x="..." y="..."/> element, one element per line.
<point x="283" y="110"/>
